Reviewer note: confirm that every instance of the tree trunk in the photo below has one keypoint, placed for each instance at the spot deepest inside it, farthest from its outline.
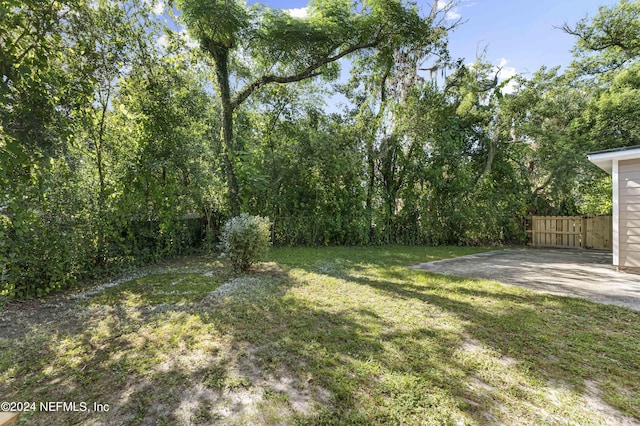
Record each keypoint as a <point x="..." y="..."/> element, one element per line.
<point x="371" y="162"/>
<point x="99" y="145"/>
<point x="491" y="153"/>
<point x="221" y="58"/>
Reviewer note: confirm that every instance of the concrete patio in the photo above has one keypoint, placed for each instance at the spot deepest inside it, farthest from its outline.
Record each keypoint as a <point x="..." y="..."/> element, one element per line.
<point x="577" y="273"/>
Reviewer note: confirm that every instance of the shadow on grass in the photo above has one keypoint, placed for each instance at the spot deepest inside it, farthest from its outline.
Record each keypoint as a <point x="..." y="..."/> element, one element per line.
<point x="273" y="360"/>
<point x="347" y="345"/>
<point x="356" y="366"/>
<point x="562" y="340"/>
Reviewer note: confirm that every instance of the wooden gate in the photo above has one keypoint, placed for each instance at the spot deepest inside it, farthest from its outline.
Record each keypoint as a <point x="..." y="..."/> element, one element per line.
<point x="571" y="232"/>
<point x="599" y="232"/>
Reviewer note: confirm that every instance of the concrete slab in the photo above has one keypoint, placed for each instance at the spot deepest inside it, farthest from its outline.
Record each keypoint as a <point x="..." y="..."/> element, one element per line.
<point x="578" y="273"/>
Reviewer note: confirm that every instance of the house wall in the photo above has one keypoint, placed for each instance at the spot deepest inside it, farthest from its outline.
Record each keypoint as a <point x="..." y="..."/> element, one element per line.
<point x="629" y="213"/>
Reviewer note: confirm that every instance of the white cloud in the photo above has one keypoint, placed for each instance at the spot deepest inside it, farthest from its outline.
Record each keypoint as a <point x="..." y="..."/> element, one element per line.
<point x="162" y="41"/>
<point x="506" y="73"/>
<point x="188" y="40"/>
<point x="158" y="8"/>
<point x="301" y="12"/>
<point x="451" y="13"/>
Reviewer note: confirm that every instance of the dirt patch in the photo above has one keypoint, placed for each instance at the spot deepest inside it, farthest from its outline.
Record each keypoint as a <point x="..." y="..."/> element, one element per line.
<point x="593" y="398"/>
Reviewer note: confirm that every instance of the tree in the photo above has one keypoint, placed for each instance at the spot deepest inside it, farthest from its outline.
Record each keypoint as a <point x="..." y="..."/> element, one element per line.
<point x="463" y="184"/>
<point x="380" y="84"/>
<point x="610" y="40"/>
<point x="33" y="125"/>
<point x="614" y="116"/>
<point x="606" y="72"/>
<point x="547" y="111"/>
<point x="165" y="165"/>
<point x="68" y="145"/>
<point x="301" y="166"/>
<point x="607" y="51"/>
<point x="278" y="48"/>
<point x="112" y="38"/>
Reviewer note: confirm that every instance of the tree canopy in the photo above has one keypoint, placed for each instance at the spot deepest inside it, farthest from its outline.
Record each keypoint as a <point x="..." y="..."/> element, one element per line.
<point x="274" y="47"/>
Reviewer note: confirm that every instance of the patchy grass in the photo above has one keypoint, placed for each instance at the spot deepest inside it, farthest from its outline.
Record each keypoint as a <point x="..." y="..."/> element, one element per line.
<point x="178" y="288"/>
<point x="323" y="336"/>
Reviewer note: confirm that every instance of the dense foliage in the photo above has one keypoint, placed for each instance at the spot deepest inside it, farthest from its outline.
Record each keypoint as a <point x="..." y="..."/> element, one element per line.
<point x="124" y="139"/>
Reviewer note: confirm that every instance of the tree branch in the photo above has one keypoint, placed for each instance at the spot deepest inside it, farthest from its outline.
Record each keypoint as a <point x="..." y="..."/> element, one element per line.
<point x="596" y="42"/>
<point x="309" y="72"/>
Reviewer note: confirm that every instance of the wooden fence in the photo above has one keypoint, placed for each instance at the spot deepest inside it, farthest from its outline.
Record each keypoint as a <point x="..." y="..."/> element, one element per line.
<point x="571" y="232"/>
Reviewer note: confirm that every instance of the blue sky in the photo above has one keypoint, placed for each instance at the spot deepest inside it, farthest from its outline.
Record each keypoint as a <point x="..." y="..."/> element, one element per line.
<point x="522" y="33"/>
<point x="517" y="34"/>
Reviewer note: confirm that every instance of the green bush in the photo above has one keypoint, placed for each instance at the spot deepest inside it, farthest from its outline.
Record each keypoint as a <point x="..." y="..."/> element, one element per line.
<point x="245" y="240"/>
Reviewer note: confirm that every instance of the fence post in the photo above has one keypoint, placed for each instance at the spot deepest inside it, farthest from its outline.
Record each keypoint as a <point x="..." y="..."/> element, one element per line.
<point x="533" y="231"/>
<point x="583" y="243"/>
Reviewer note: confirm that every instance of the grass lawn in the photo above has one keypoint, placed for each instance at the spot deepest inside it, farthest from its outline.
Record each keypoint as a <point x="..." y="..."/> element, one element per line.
<point x="321" y="336"/>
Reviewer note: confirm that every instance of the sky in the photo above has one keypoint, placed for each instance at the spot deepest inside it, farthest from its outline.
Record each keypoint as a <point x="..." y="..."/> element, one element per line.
<point x="518" y="35"/>
<point x="521" y="35"/>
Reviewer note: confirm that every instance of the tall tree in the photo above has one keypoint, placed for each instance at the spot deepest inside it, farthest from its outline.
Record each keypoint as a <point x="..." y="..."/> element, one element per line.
<point x="380" y="84"/>
<point x="279" y="48"/>
<point x="111" y="36"/>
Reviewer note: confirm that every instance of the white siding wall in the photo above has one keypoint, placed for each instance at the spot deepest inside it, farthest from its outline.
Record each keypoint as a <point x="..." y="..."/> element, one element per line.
<point x="629" y="213"/>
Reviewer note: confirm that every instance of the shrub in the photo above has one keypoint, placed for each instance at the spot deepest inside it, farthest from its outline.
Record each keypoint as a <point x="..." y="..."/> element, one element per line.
<point x="245" y="240"/>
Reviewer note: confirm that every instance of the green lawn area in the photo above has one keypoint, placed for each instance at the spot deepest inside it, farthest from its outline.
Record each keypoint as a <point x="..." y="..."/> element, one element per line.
<point x="322" y="336"/>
